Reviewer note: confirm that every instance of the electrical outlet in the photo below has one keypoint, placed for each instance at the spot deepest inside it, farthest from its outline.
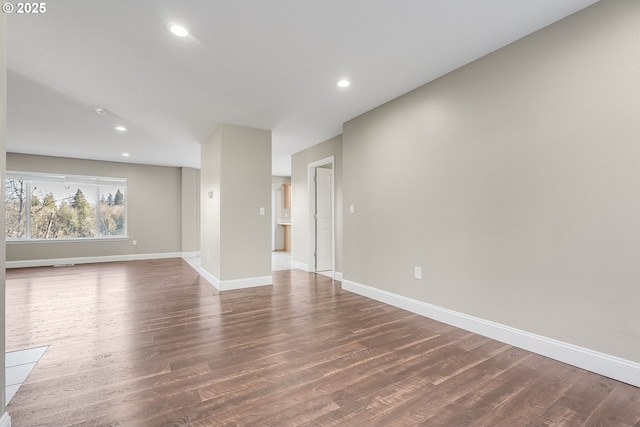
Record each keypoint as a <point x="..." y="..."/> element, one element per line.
<point x="261" y="211"/>
<point x="135" y="242"/>
<point x="417" y="272"/>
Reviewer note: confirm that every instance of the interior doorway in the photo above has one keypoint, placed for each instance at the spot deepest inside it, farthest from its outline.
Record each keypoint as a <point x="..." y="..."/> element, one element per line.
<point x="321" y="215"/>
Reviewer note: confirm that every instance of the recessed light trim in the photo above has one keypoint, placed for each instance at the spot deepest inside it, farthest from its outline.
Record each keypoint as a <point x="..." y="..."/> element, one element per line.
<point x="179" y="30"/>
<point x="100" y="110"/>
<point x="343" y="83"/>
<point x="121" y="128"/>
<point x="125" y="154"/>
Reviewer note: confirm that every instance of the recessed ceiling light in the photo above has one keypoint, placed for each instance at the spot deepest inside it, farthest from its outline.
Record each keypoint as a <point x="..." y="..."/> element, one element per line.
<point x="100" y="110"/>
<point x="343" y="83"/>
<point x="126" y="154"/>
<point x="121" y="128"/>
<point x="179" y="30"/>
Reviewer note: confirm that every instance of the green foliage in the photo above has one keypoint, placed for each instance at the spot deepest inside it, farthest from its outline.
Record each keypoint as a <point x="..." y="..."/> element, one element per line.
<point x="111" y="219"/>
<point x="43" y="212"/>
<point x="59" y="219"/>
<point x="70" y="217"/>
<point x="15" y="207"/>
<point x="118" y="200"/>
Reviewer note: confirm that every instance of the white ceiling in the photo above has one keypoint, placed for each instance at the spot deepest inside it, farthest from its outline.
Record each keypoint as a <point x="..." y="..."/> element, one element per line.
<point x="269" y="64"/>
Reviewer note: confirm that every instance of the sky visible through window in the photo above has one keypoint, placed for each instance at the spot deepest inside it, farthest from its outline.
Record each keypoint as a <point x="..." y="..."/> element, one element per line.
<point x="59" y="208"/>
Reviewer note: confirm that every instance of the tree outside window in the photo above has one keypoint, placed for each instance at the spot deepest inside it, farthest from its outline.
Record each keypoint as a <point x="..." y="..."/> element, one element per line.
<point x="64" y="207"/>
<point x="112" y="212"/>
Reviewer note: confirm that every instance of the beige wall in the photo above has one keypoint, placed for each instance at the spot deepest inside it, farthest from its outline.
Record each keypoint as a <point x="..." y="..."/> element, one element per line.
<point x="3" y="144"/>
<point x="198" y="210"/>
<point x="300" y="199"/>
<point x="236" y="167"/>
<point x="154" y="204"/>
<point x="210" y="175"/>
<point x="513" y="183"/>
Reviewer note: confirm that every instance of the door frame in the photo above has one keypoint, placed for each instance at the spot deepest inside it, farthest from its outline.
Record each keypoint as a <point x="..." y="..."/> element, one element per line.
<point x="311" y="173"/>
<point x="274" y="220"/>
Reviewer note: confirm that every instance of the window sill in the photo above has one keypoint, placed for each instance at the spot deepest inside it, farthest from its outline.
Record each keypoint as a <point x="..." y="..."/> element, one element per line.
<point x="80" y="240"/>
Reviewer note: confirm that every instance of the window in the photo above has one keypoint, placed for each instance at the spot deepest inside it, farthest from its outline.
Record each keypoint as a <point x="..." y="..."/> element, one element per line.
<point x="48" y="206"/>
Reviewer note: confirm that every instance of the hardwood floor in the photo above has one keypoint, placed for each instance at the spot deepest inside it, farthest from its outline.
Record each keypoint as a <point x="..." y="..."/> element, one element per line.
<point x="149" y="343"/>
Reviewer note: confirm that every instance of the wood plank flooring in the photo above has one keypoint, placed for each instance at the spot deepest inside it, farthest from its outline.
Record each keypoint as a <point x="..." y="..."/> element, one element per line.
<point x="150" y="343"/>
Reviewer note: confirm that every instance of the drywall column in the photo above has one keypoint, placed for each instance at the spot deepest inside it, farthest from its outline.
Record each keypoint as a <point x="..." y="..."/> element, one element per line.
<point x="5" y="420"/>
<point x="189" y="212"/>
<point x="236" y="207"/>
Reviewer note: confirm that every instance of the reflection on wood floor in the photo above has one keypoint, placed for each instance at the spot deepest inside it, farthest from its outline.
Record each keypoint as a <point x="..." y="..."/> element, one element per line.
<point x="150" y="343"/>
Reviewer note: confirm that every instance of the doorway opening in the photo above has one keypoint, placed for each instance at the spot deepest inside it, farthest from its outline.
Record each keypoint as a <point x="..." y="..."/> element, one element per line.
<point x="321" y="216"/>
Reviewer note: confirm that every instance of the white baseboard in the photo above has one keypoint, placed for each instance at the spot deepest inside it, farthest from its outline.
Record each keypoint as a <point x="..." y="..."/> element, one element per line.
<point x="229" y="285"/>
<point x="89" y="260"/>
<point x="189" y="254"/>
<point x="249" y="282"/>
<point x="5" y="420"/>
<point x="335" y="275"/>
<point x="600" y="363"/>
<point x="299" y="265"/>
<point x="208" y="277"/>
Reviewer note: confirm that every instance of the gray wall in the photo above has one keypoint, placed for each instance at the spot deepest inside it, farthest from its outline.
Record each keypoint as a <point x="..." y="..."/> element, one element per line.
<point x="154" y="205"/>
<point x="513" y="183"/>
<point x="300" y="198"/>
<point x="236" y="167"/>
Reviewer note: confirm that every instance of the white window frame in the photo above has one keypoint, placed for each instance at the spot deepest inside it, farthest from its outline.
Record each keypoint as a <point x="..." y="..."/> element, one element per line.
<point x="96" y="181"/>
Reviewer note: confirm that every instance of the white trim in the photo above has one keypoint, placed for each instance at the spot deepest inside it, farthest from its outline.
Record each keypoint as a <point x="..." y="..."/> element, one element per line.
<point x="89" y="260"/>
<point x="229" y="285"/>
<point x="274" y="220"/>
<point x="299" y="265"/>
<point x="193" y="254"/>
<point x="337" y="276"/>
<point x="5" y="420"/>
<point x="25" y="241"/>
<point x="66" y="178"/>
<point x="208" y="277"/>
<point x="249" y="282"/>
<point x="600" y="363"/>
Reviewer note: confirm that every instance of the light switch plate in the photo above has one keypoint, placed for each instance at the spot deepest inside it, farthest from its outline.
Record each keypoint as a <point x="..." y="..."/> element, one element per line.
<point x="352" y="209"/>
<point x="261" y="211"/>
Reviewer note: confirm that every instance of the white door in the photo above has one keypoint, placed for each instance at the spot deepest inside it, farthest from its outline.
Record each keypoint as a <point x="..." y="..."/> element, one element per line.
<point x="324" y="219"/>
